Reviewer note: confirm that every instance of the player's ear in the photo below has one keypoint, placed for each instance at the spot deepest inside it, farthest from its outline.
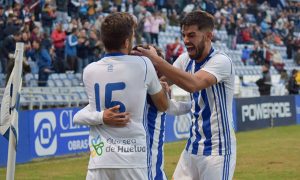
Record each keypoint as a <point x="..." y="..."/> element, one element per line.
<point x="209" y="35"/>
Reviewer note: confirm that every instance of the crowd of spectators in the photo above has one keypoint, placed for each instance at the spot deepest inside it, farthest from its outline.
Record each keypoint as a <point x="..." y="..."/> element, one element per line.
<point x="63" y="35"/>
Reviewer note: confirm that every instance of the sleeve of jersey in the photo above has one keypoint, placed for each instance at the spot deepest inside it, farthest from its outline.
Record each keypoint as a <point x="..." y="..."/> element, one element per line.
<point x="219" y="66"/>
<point x="87" y="117"/>
<point x="178" y="107"/>
<point x="152" y="81"/>
<point x="180" y="61"/>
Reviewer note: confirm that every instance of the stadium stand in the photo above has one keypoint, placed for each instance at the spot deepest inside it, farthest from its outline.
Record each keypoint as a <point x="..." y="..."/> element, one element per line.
<point x="246" y="23"/>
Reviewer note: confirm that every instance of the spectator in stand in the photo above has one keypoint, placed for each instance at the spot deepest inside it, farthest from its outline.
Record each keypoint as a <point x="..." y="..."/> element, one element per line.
<point x="25" y="39"/>
<point x="297" y="57"/>
<point x="293" y="86"/>
<point x="43" y="59"/>
<point x="246" y="35"/>
<point x="284" y="77"/>
<point x="71" y="50"/>
<point x="156" y="22"/>
<point x="231" y="30"/>
<point x="48" y="16"/>
<point x="174" y="19"/>
<point x="82" y="50"/>
<point x="264" y="84"/>
<point x="73" y="24"/>
<point x="289" y="45"/>
<point x="91" y="10"/>
<point x="174" y="50"/>
<point x="277" y="61"/>
<point x="35" y="34"/>
<point x="62" y="11"/>
<point x="246" y="55"/>
<point x="12" y="25"/>
<point x="8" y="49"/>
<point x="147" y="27"/>
<point x="2" y="23"/>
<point x="94" y="47"/>
<point x="258" y="54"/>
<point x="257" y="34"/>
<point x="83" y="11"/>
<point x="58" y="37"/>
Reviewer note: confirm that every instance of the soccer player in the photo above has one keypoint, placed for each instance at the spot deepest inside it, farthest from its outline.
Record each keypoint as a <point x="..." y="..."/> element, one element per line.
<point x="155" y="120"/>
<point x="208" y="74"/>
<point x="123" y="80"/>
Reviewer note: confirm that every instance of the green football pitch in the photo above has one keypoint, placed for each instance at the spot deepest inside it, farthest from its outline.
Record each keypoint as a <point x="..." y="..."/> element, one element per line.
<point x="272" y="153"/>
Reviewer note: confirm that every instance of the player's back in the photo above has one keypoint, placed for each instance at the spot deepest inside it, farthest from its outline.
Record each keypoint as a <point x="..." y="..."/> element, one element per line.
<point x="119" y="80"/>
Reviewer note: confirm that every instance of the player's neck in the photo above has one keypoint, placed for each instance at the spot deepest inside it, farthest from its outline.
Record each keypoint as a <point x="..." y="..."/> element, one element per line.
<point x="204" y="54"/>
<point x="122" y="51"/>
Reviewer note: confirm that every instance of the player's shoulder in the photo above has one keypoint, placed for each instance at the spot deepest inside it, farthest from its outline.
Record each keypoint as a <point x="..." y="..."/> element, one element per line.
<point x="220" y="58"/>
<point x="183" y="57"/>
<point x="143" y="59"/>
<point x="221" y="55"/>
<point x="182" y="60"/>
<point x="89" y="67"/>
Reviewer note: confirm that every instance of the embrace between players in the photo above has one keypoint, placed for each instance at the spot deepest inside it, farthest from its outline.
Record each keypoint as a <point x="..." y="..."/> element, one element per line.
<point x="127" y="105"/>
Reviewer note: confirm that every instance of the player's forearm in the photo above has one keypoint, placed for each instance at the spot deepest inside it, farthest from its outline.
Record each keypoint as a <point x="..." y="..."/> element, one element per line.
<point x="86" y="117"/>
<point x="182" y="79"/>
<point x="178" y="107"/>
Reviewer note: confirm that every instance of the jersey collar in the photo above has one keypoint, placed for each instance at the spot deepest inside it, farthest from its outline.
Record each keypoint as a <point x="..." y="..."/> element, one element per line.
<point x="114" y="54"/>
<point x="206" y="58"/>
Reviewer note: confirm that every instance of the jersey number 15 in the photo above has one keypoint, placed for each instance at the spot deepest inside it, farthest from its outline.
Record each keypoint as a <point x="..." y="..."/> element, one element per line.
<point x="109" y="88"/>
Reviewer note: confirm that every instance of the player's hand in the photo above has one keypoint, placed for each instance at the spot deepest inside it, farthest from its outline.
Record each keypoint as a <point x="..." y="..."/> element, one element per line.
<point x="165" y="87"/>
<point x="113" y="117"/>
<point x="149" y="52"/>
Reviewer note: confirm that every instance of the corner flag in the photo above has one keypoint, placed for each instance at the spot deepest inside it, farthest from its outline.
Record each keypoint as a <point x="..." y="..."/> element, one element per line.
<point x="9" y="110"/>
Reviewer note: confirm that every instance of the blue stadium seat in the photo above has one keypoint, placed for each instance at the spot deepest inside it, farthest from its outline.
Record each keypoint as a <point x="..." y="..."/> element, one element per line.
<point x="67" y="82"/>
<point x="59" y="83"/>
<point x="62" y="76"/>
<point x="50" y="83"/>
<point x="53" y="76"/>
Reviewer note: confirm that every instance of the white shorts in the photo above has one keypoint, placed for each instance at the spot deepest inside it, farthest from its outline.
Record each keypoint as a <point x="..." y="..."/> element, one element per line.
<point x="117" y="174"/>
<point x="195" y="167"/>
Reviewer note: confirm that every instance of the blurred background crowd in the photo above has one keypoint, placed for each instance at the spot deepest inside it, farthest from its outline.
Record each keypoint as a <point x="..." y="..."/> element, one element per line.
<point x="63" y="35"/>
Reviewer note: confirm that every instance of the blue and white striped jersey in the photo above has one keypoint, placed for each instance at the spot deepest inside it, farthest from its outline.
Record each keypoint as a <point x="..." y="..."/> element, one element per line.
<point x="212" y="130"/>
<point x="156" y="128"/>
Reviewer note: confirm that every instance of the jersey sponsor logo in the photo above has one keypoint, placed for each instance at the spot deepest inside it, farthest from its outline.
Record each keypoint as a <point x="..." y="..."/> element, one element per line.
<point x="44" y="128"/>
<point x="182" y="125"/>
<point x="97" y="145"/>
<point x="115" y="145"/>
<point x="253" y="112"/>
<point x="110" y="68"/>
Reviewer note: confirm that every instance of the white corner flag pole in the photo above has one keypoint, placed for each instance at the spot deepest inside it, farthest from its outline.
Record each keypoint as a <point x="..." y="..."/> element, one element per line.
<point x="15" y="89"/>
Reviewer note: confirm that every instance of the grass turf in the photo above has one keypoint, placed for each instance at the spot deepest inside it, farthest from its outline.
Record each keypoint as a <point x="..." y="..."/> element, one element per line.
<point x="263" y="154"/>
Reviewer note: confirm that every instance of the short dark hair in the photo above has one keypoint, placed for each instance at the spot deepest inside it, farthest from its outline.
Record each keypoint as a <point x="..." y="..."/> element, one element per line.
<point x="202" y="19"/>
<point x="115" y="29"/>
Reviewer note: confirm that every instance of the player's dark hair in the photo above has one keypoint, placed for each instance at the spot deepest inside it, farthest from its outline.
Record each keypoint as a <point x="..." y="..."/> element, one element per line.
<point x="202" y="19"/>
<point x="115" y="29"/>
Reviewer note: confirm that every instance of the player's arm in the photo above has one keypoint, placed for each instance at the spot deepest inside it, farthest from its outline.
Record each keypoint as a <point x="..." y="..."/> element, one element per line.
<point x="160" y="101"/>
<point x="179" y="63"/>
<point x="109" y="116"/>
<point x="189" y="82"/>
<point x="154" y="88"/>
<point x="179" y="107"/>
<point x="175" y="107"/>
